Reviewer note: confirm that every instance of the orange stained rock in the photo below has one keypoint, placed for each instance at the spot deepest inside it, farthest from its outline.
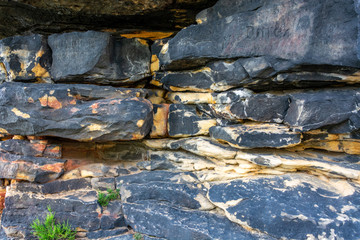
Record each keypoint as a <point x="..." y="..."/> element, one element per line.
<point x="54" y="103"/>
<point x="155" y="64"/>
<point x="148" y="35"/>
<point x="160" y="120"/>
<point x="56" y="167"/>
<point x="39" y="71"/>
<point x="18" y="137"/>
<point x="136" y="136"/>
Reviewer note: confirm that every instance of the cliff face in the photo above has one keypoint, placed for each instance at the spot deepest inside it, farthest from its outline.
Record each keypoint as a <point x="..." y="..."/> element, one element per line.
<point x="245" y="125"/>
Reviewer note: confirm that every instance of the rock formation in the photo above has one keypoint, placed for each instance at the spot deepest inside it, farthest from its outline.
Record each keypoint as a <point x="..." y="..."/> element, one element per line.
<point x="245" y="125"/>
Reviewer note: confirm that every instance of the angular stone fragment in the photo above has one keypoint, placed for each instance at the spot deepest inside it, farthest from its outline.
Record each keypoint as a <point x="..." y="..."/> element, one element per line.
<point x="33" y="169"/>
<point x="185" y="121"/>
<point x="259" y="107"/>
<point x="304" y="206"/>
<point x="98" y="57"/>
<point x="297" y="32"/>
<point x="68" y="111"/>
<point x="24" y="58"/>
<point x="215" y="76"/>
<point x="163" y="221"/>
<point x="256" y="135"/>
<point x="316" y="109"/>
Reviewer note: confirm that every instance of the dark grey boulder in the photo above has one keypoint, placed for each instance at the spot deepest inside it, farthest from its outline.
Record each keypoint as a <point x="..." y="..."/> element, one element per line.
<point x="286" y="32"/>
<point x="98" y="57"/>
<point x="292" y="206"/>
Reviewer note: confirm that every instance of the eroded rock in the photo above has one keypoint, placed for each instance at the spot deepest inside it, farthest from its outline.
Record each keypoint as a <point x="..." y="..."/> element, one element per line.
<point x="63" y="111"/>
<point x="304" y="206"/>
<point x="24" y="58"/>
<point x="256" y="135"/>
<point x="107" y="60"/>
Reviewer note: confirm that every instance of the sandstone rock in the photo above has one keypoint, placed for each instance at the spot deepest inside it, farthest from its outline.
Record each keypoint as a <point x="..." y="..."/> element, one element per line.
<point x="108" y="60"/>
<point x="304" y="206"/>
<point x="256" y="135"/>
<point x="184" y="121"/>
<point x="24" y="58"/>
<point x="300" y="32"/>
<point x="63" y="111"/>
<point x="33" y="169"/>
<point x="159" y="126"/>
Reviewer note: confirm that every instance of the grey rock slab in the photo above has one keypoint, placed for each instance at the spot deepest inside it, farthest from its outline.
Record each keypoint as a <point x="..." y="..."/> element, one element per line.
<point x="163" y="221"/>
<point x="98" y="57"/>
<point x="60" y="110"/>
<point x="268" y="135"/>
<point x="294" y="32"/>
<point x="292" y="206"/>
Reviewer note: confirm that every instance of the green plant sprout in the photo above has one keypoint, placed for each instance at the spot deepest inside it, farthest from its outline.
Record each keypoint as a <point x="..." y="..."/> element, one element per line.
<point x="138" y="236"/>
<point x="104" y="199"/>
<point x="50" y="230"/>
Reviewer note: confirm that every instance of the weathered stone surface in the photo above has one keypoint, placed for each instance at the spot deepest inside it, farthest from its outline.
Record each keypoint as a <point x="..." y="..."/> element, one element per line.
<point x="150" y="19"/>
<point x="299" y="32"/>
<point x="215" y="76"/>
<point x="98" y="57"/>
<point x="320" y="139"/>
<point x="63" y="111"/>
<point x="256" y="135"/>
<point x="184" y="121"/>
<point x="159" y="126"/>
<point x="259" y="107"/>
<point x="316" y="109"/>
<point x="168" y="222"/>
<point x="304" y="206"/>
<point x="73" y="200"/>
<point x="227" y="97"/>
<point x="35" y="148"/>
<point x="24" y="58"/>
<point x="34" y="169"/>
<point x="183" y="194"/>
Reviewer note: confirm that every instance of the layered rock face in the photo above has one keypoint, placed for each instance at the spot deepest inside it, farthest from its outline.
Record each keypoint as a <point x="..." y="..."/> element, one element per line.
<point x="243" y="126"/>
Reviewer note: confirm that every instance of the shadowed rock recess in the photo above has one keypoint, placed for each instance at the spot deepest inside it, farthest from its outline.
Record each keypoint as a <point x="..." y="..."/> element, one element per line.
<point x="244" y="125"/>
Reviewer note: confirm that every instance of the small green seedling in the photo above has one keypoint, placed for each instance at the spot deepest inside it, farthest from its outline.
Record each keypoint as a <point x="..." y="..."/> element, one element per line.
<point x="138" y="236"/>
<point x="50" y="230"/>
<point x="104" y="199"/>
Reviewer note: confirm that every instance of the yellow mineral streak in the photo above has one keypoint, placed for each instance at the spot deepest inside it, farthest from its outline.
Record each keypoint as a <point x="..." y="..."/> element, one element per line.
<point x="165" y="48"/>
<point x="94" y="127"/>
<point x="3" y="69"/>
<point x="147" y="35"/>
<point x="155" y="64"/>
<point x="3" y="131"/>
<point x="19" y="113"/>
<point x="140" y="123"/>
<point x="39" y="71"/>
